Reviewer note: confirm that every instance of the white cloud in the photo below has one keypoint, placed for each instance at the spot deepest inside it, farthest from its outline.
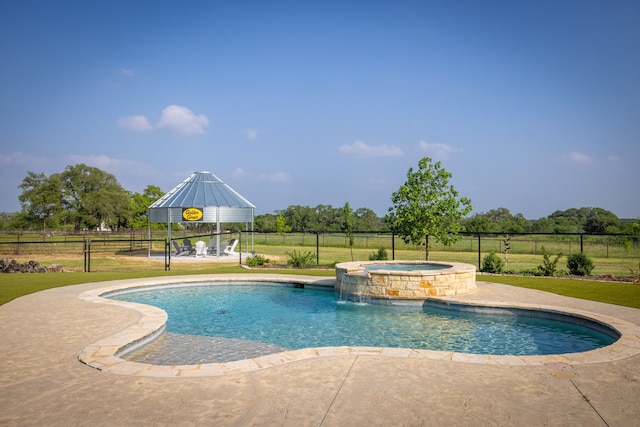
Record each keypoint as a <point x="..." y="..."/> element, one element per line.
<point x="240" y="173"/>
<point x="135" y="123"/>
<point x="175" y="118"/>
<point x="19" y="158"/>
<point x="251" y="134"/>
<point x="181" y="120"/>
<point x="613" y="158"/>
<point x="361" y="148"/>
<point x="112" y="165"/>
<point x="131" y="174"/>
<point x="127" y="72"/>
<point x="438" y="151"/>
<point x="575" y="157"/>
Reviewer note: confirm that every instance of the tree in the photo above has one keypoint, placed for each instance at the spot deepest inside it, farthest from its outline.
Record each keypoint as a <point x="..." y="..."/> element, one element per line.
<point x="426" y="205"/>
<point x="587" y="220"/>
<point x="91" y="197"/>
<point x="478" y="223"/>
<point x="8" y="220"/>
<point x="300" y="218"/>
<point x="139" y="208"/>
<point x="599" y="220"/>
<point x="323" y="218"/>
<point x="347" y="225"/>
<point x="366" y="220"/>
<point x="543" y="225"/>
<point x="567" y="221"/>
<point x="40" y="200"/>
<point x="281" y="226"/>
<point x="265" y="222"/>
<point x="632" y="231"/>
<point x="497" y="220"/>
<point x="516" y="224"/>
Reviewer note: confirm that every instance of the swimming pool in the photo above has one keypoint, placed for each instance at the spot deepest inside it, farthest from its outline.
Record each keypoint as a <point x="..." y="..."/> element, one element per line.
<point x="286" y="317"/>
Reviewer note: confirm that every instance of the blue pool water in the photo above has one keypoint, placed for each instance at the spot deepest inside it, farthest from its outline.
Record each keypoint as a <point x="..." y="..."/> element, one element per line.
<point x="406" y="267"/>
<point x="294" y="318"/>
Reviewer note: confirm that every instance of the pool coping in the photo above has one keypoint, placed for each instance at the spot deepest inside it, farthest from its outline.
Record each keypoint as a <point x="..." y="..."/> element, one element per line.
<point x="104" y="354"/>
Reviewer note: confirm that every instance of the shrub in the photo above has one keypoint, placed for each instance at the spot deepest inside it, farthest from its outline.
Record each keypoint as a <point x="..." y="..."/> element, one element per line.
<point x="531" y="272"/>
<point x="635" y="274"/>
<point x="300" y="259"/>
<point x="381" y="255"/>
<point x="492" y="264"/>
<point x="549" y="266"/>
<point x="579" y="264"/>
<point x="256" y="260"/>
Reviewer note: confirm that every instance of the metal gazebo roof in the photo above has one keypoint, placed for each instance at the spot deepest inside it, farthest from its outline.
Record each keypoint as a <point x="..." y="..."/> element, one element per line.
<point x="206" y="193"/>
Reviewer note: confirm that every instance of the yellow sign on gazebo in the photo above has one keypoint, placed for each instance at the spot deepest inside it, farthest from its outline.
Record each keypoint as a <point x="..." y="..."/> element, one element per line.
<point x="192" y="214"/>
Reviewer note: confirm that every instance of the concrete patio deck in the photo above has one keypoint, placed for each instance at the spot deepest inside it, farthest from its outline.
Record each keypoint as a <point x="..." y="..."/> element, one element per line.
<point x="42" y="382"/>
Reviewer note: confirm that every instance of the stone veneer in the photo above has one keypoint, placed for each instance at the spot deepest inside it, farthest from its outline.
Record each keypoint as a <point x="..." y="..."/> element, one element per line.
<point x="352" y="281"/>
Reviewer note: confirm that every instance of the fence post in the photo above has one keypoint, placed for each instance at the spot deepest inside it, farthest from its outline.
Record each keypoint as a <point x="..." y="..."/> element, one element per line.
<point x="581" y="244"/>
<point x="240" y="244"/>
<point x="393" y="246"/>
<point x="479" y="253"/>
<point x="167" y="255"/>
<point x="87" y="256"/>
<point x="317" y="248"/>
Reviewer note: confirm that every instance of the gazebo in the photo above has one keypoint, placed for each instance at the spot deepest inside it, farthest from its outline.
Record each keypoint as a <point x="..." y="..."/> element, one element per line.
<point x="202" y="198"/>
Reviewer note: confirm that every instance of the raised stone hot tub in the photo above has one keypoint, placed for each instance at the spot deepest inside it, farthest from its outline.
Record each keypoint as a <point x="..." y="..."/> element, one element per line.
<point x="408" y="280"/>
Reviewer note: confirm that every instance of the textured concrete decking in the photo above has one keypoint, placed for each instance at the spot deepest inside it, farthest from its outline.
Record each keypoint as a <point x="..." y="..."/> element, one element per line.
<point x="43" y="383"/>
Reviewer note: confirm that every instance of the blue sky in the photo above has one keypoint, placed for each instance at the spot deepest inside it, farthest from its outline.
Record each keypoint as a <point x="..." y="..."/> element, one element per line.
<point x="531" y="105"/>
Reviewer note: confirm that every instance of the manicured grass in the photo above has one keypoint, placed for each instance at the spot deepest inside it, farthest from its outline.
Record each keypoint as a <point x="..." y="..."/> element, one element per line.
<point x="619" y="293"/>
<point x="111" y="266"/>
<point x="111" y="255"/>
<point x="625" y="294"/>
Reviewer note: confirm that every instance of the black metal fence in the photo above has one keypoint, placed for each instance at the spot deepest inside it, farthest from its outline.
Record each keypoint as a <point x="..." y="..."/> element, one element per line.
<point x="103" y="246"/>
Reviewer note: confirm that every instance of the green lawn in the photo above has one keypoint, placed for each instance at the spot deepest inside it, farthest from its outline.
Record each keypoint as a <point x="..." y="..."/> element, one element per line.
<point x="16" y="285"/>
<point x="619" y="293"/>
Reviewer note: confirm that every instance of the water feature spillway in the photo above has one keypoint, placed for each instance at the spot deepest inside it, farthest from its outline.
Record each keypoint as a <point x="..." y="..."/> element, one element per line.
<point x="403" y="280"/>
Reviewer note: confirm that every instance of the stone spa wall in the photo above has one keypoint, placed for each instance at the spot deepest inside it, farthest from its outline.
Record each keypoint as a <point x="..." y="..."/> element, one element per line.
<point x="354" y="281"/>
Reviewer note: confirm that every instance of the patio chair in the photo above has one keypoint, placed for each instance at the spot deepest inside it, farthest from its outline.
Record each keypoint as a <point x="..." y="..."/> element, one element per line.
<point x="188" y="247"/>
<point x="211" y="248"/>
<point x="201" y="249"/>
<point x="180" y="250"/>
<point x="229" y="250"/>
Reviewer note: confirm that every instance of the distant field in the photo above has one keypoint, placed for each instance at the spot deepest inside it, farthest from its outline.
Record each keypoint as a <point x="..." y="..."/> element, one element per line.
<point x="112" y="252"/>
<point x="120" y="256"/>
<point x="16" y="285"/>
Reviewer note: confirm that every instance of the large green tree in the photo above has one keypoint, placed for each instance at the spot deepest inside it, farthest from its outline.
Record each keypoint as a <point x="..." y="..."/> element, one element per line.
<point x="585" y="219"/>
<point x="599" y="220"/>
<point x="300" y="218"/>
<point x="426" y="205"/>
<point x="366" y="220"/>
<point x="91" y="197"/>
<point x="497" y="220"/>
<point x="40" y="200"/>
